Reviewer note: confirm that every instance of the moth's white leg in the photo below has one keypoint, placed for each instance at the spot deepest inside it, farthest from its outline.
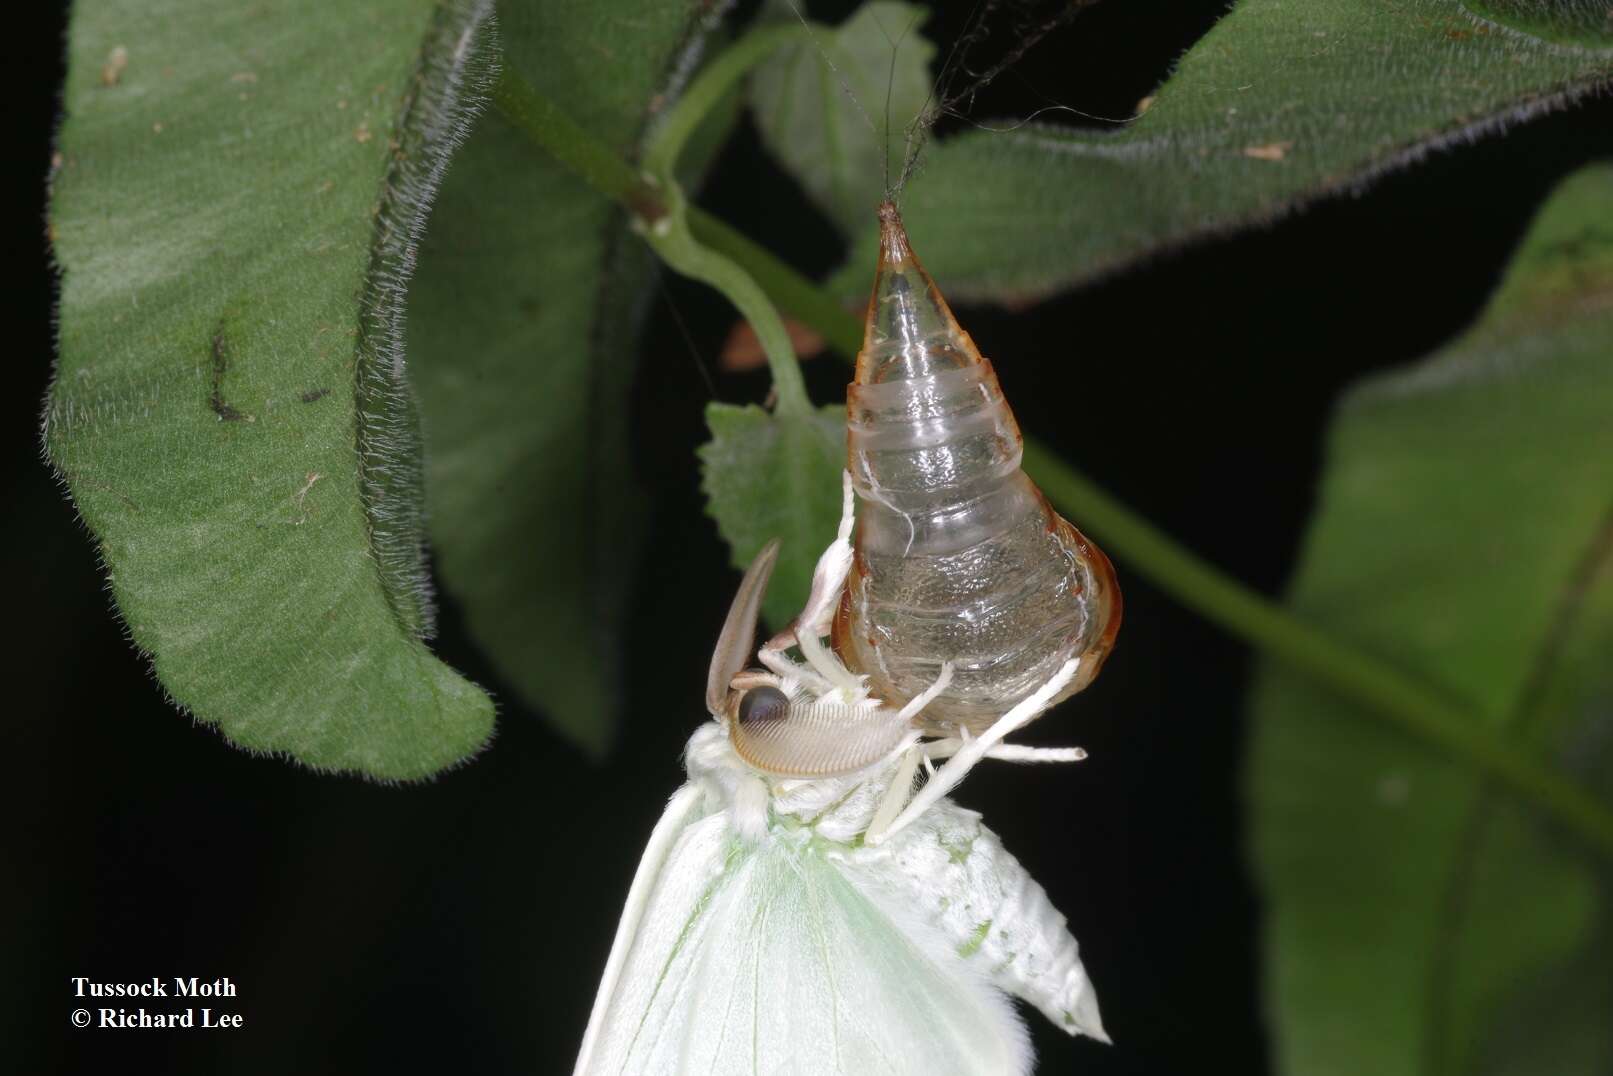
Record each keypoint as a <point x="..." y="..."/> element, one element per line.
<point x="828" y="580"/>
<point x="848" y="503"/>
<point x="975" y="750"/>
<point x="927" y="696"/>
<point x="901" y="787"/>
<point x="824" y="662"/>
<point x="829" y="577"/>
<point x="1008" y="752"/>
<point x="1013" y="752"/>
<point x="788" y="668"/>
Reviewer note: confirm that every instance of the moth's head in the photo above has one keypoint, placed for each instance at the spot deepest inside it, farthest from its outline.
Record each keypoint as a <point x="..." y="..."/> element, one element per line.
<point x="776" y="726"/>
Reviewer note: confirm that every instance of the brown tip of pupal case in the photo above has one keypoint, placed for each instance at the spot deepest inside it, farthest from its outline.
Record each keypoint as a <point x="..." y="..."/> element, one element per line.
<point x="892" y="236"/>
<point x="907" y="318"/>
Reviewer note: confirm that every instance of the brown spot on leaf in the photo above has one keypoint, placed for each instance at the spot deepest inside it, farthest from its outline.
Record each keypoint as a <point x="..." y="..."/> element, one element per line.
<point x="112" y="70"/>
<point x="1271" y="151"/>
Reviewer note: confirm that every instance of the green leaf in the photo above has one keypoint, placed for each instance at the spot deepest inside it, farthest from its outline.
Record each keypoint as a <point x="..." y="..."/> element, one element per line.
<point x="1282" y="102"/>
<point x="772" y="476"/>
<point x="1465" y="533"/>
<point x="522" y="320"/>
<point x="835" y="110"/>
<point x="233" y="216"/>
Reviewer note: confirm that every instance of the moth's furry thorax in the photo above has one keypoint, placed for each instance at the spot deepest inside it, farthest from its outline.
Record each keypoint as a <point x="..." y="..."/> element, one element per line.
<point x="837" y="808"/>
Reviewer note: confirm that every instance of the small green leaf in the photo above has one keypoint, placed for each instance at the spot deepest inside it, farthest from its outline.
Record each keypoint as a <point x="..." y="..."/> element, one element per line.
<point x="1465" y="533"/>
<point x="772" y="476"/>
<point x="523" y="320"/>
<point x="1282" y="102"/>
<point x="233" y="215"/>
<point x="810" y="103"/>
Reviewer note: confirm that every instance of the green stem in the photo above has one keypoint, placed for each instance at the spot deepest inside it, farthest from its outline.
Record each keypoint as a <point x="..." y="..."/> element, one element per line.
<point x="708" y="89"/>
<point x="1223" y="601"/>
<point x="566" y="142"/>
<point x="797" y="295"/>
<point x="1375" y="685"/>
<point x="677" y="246"/>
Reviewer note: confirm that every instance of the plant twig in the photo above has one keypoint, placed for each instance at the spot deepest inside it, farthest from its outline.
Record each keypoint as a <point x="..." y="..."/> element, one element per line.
<point x="799" y="297"/>
<point x="678" y="247"/>
<point x="682" y="249"/>
<point x="709" y="88"/>
<point x="560" y="136"/>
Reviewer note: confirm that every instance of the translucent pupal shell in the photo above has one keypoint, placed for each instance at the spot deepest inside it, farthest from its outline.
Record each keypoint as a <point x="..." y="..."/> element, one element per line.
<point x="959" y="557"/>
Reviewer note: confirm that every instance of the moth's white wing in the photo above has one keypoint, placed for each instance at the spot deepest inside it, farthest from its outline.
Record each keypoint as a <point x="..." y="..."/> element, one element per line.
<point x="948" y="867"/>
<point x="803" y="974"/>
<point x="665" y="840"/>
<point x="765" y="959"/>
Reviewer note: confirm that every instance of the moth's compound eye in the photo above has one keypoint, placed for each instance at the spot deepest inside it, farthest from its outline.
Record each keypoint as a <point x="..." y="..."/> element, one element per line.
<point x="763" y="704"/>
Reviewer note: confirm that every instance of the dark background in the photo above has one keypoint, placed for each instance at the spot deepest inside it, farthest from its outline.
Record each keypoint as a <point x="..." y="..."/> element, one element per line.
<point x="463" y="923"/>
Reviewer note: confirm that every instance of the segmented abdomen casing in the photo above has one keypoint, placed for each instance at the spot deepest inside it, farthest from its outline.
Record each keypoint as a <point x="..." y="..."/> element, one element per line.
<point x="959" y="557"/>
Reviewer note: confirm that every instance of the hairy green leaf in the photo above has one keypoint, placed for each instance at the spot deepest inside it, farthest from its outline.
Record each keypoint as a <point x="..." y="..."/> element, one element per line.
<point x="233" y="215"/>
<point x="522" y="323"/>
<point x="772" y="476"/>
<point x="1283" y="101"/>
<point x="1465" y="533"/>
<point x="835" y="110"/>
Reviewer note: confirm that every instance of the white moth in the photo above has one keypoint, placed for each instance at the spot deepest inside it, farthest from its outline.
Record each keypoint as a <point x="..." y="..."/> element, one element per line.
<point x="793" y="913"/>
